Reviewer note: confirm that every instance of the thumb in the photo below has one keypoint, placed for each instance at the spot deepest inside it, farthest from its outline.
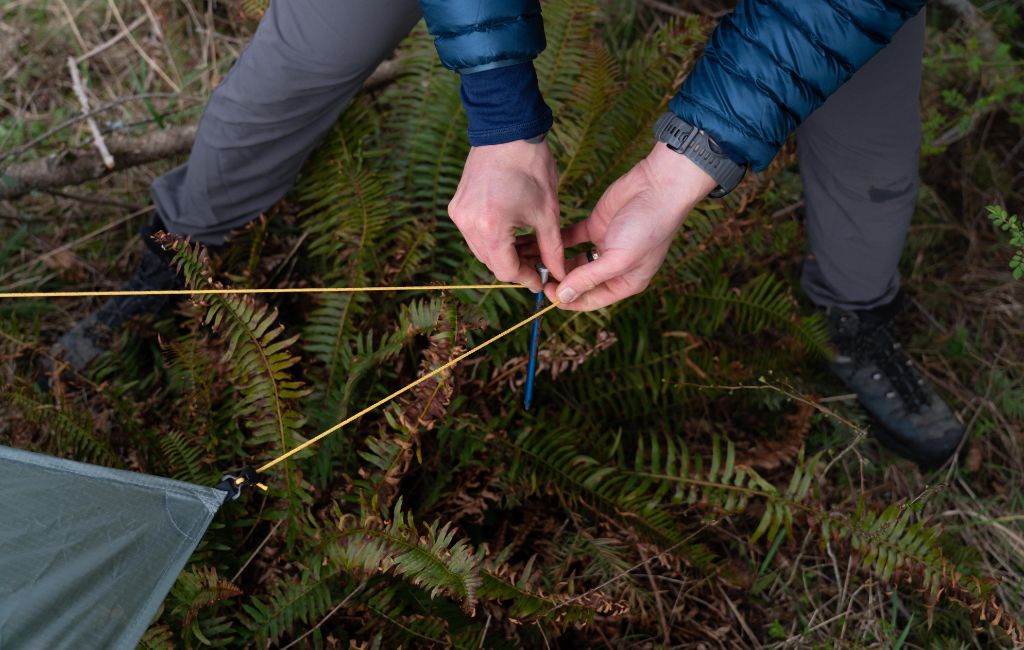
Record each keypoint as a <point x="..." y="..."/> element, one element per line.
<point x="586" y="277"/>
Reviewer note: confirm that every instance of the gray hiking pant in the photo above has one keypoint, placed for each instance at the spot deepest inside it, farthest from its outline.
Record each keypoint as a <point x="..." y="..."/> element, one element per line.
<point x="305" y="63"/>
<point x="859" y="164"/>
<point x="308" y="59"/>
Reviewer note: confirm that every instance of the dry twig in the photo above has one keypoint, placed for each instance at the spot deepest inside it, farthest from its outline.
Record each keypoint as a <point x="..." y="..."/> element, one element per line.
<point x="83" y="100"/>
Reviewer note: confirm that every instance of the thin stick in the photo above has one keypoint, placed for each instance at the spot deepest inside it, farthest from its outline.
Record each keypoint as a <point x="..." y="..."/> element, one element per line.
<point x="664" y="7"/>
<point x="158" y="32"/>
<point x="329" y="614"/>
<point x="138" y="48"/>
<point x="79" y="118"/>
<point x="103" y="47"/>
<point x="662" y="620"/>
<point x="83" y="100"/>
<point x="259" y="548"/>
<point x="88" y="199"/>
<point x="218" y="292"/>
<point x="71" y="23"/>
<point x="81" y="240"/>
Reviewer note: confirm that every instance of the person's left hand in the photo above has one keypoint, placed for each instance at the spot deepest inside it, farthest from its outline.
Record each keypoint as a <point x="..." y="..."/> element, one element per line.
<point x="632" y="227"/>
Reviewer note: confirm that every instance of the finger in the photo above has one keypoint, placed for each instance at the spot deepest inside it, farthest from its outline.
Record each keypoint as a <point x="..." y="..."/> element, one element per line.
<point x="552" y="251"/>
<point x="507" y="266"/>
<point x="476" y="252"/>
<point x="577" y="233"/>
<point x="589" y="276"/>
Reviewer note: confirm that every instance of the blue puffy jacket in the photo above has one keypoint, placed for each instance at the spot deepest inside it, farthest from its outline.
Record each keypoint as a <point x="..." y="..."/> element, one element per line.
<point x="768" y="65"/>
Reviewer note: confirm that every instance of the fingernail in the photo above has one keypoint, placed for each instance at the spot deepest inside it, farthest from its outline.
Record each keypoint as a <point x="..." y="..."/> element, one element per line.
<point x="566" y="294"/>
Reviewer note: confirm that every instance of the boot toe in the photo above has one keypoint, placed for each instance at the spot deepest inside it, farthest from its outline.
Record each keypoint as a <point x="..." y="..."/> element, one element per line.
<point x="928" y="445"/>
<point x="81" y="344"/>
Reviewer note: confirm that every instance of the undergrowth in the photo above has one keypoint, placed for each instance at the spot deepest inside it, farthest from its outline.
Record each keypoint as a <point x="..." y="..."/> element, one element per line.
<point x="678" y="482"/>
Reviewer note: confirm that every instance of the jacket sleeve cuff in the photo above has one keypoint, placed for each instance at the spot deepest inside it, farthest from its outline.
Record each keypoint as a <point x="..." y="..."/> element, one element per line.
<point x="504" y="104"/>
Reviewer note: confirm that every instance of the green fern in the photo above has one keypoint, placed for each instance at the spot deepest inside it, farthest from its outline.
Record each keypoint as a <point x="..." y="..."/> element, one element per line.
<point x="259" y="362"/>
<point x="70" y="432"/>
<point x="198" y="589"/>
<point x="184" y="459"/>
<point x="1013" y="227"/>
<point x="764" y="302"/>
<point x="351" y="204"/>
<point x="537" y="457"/>
<point x="158" y="637"/>
<point x="568" y="27"/>
<point x="258" y="355"/>
<point x="432" y="558"/>
<point x="290" y="606"/>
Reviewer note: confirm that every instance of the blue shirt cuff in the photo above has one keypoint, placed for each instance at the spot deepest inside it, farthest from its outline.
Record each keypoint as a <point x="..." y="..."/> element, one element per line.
<point x="504" y="104"/>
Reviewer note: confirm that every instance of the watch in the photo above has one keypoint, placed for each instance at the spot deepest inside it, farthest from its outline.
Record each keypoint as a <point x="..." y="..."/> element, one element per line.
<point x="702" y="150"/>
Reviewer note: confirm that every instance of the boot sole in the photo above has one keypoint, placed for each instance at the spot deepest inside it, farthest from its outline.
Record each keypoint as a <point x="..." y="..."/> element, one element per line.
<point x="893" y="444"/>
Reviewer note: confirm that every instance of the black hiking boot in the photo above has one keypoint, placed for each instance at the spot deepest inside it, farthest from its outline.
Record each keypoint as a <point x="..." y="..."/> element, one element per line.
<point x="913" y="420"/>
<point x="93" y="335"/>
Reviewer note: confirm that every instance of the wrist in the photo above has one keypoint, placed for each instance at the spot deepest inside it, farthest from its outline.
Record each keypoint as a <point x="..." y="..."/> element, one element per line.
<point x="515" y="155"/>
<point x="693" y="142"/>
<point x="678" y="176"/>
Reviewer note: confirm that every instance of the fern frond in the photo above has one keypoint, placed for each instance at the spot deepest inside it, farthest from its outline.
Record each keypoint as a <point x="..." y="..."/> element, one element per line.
<point x="158" y="637"/>
<point x="290" y="607"/>
<point x="568" y="27"/>
<point x="764" y="302"/>
<point x="183" y="458"/>
<point x="552" y="455"/>
<point x="432" y="132"/>
<point x="193" y="372"/>
<point x="352" y="202"/>
<point x="430" y="557"/>
<point x="198" y="588"/>
<point x="254" y="8"/>
<point x="651" y="69"/>
<point x="1013" y="227"/>
<point x="257" y="353"/>
<point x="70" y="432"/>
<point x="574" y="133"/>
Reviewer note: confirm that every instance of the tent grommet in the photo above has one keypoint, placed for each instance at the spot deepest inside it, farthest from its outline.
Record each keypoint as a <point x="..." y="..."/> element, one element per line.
<point x="233" y="485"/>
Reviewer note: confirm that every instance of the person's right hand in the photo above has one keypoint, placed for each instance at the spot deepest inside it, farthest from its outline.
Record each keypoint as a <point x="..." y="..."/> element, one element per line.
<point x="504" y="187"/>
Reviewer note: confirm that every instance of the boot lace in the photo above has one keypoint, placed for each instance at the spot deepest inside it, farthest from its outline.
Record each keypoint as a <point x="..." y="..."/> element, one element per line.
<point x="879" y="345"/>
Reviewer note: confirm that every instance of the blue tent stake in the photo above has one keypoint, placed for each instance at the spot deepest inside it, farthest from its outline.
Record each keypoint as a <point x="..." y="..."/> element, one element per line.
<point x="531" y="369"/>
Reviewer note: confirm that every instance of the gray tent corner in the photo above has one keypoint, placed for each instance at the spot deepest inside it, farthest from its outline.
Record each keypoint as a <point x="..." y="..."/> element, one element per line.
<point x="87" y="553"/>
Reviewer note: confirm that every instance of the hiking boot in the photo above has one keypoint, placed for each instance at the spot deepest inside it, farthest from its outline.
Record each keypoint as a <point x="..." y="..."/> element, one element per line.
<point x="94" y="333"/>
<point x="913" y="420"/>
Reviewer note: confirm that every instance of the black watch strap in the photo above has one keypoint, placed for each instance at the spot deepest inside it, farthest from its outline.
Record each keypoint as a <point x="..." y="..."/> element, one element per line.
<point x="704" y="152"/>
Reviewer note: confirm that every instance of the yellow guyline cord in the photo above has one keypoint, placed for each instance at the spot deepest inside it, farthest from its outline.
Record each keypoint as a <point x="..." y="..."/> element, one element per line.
<point x="350" y="419"/>
<point x="432" y="373"/>
<point x="210" y="292"/>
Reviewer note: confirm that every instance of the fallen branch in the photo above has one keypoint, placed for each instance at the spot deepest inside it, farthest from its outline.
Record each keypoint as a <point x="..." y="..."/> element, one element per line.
<point x="80" y="166"/>
<point x="71" y="168"/>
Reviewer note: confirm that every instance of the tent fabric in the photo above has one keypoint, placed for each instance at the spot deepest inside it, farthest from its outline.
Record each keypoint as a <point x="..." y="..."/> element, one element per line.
<point x="87" y="553"/>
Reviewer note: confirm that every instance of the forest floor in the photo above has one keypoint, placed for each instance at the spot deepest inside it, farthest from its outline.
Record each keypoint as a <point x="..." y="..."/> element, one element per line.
<point x="963" y="325"/>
